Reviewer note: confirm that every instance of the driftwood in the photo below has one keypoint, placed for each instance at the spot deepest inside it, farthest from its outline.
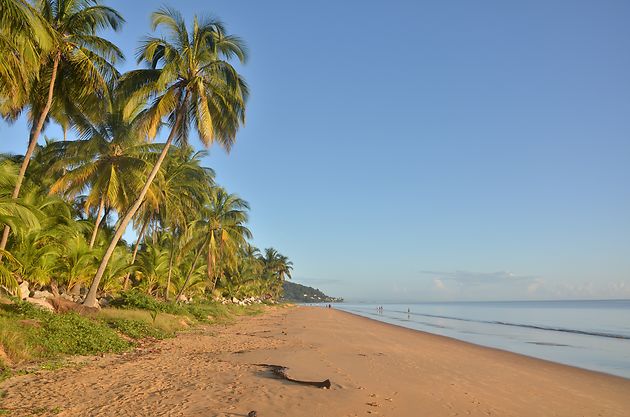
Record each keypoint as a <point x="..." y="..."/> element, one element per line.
<point x="281" y="372"/>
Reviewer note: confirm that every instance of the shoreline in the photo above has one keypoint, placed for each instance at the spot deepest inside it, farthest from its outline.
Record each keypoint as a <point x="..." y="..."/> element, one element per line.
<point x="375" y="368"/>
<point x="476" y="345"/>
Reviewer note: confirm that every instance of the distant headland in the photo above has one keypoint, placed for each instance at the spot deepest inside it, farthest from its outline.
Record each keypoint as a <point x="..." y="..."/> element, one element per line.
<point x="299" y="293"/>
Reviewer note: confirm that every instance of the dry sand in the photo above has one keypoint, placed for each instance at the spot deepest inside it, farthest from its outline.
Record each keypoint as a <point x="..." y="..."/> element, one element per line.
<point x="375" y="369"/>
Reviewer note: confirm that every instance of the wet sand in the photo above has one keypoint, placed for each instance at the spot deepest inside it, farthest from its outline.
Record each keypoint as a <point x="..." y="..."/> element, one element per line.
<point x="374" y="369"/>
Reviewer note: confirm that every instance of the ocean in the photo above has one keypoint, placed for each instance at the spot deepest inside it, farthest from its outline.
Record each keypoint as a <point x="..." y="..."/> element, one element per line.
<point x="590" y="334"/>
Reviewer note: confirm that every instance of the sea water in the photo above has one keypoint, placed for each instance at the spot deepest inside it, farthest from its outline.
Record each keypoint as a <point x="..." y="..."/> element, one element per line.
<point x="590" y="334"/>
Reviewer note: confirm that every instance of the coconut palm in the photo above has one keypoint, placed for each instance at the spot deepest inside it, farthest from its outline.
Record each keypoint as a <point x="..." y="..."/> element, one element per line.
<point x="110" y="165"/>
<point x="151" y="267"/>
<point x="193" y="269"/>
<point x="176" y="194"/>
<point x="75" y="263"/>
<point x="116" y="271"/>
<point x="183" y="188"/>
<point x="41" y="251"/>
<point x="245" y="278"/>
<point x="189" y="82"/>
<point x="8" y="276"/>
<point x="22" y="39"/>
<point x="14" y="214"/>
<point x="277" y="267"/>
<point x="223" y="219"/>
<point x="190" y="276"/>
<point x="75" y="70"/>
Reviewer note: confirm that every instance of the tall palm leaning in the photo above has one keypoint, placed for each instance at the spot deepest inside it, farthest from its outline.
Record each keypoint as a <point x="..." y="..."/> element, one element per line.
<point x="194" y="84"/>
<point x="174" y="199"/>
<point x="75" y="70"/>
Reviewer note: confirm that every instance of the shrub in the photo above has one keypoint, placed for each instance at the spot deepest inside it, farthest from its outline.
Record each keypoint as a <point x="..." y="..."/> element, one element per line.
<point x="71" y="333"/>
<point x="135" y="299"/>
<point x="32" y="333"/>
<point x="139" y="300"/>
<point x="137" y="329"/>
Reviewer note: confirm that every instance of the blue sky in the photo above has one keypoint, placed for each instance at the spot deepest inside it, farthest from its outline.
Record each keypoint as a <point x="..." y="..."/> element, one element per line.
<point x="430" y="150"/>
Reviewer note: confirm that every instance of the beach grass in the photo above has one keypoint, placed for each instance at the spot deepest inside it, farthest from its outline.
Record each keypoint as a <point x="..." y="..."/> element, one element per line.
<point x="30" y="336"/>
<point x="138" y="323"/>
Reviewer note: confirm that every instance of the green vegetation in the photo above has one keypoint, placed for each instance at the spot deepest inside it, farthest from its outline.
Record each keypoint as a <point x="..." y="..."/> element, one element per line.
<point x="65" y="204"/>
<point x="136" y="329"/>
<point x="29" y="335"/>
<point x="299" y="293"/>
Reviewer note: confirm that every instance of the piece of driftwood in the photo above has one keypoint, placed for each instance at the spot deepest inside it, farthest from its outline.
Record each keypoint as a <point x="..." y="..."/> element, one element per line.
<point x="281" y="372"/>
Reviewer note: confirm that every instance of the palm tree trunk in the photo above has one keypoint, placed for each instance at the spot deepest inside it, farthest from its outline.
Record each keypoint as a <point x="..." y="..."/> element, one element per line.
<point x="36" y="130"/>
<point x="137" y="245"/>
<point x="90" y="299"/>
<point x="214" y="283"/>
<point x="135" y="252"/>
<point x="189" y="275"/>
<point x="220" y="252"/>
<point x="209" y="269"/>
<point x="97" y="222"/>
<point x="170" y="269"/>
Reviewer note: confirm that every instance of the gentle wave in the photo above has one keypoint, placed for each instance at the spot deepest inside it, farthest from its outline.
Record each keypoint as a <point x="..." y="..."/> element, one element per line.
<point x="522" y="325"/>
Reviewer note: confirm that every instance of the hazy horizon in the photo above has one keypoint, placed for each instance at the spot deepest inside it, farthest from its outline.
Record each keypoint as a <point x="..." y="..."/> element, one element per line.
<point x="429" y="150"/>
<point x="420" y="301"/>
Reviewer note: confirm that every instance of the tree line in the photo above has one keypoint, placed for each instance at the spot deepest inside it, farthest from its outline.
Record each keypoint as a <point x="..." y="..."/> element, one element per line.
<point x="65" y="204"/>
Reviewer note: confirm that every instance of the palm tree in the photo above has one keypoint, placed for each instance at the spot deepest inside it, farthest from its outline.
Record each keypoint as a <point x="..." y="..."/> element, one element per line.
<point x="183" y="189"/>
<point x="176" y="194"/>
<point x="195" y="84"/>
<point x="278" y="267"/>
<point x="13" y="213"/>
<point x="110" y="165"/>
<point x="246" y="277"/>
<point x="18" y="216"/>
<point x="42" y="252"/>
<point x="151" y="267"/>
<point x="224" y="219"/>
<point x="76" y="262"/>
<point x="197" y="241"/>
<point x="221" y="231"/>
<point x="82" y="61"/>
<point x="190" y="275"/>
<point x="22" y="38"/>
<point x="117" y="270"/>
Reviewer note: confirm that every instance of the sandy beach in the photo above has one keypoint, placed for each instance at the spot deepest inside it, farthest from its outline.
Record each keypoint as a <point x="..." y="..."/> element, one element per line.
<point x="374" y="369"/>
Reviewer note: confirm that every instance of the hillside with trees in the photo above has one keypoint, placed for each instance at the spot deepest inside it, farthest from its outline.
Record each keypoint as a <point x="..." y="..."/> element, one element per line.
<point x="299" y="293"/>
